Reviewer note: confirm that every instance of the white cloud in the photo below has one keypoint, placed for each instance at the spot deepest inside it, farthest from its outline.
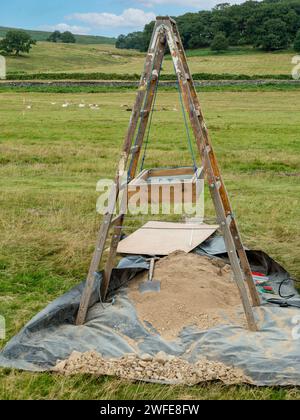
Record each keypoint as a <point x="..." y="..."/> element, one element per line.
<point x="129" y="18"/>
<point x="196" y="4"/>
<point x="192" y="3"/>
<point x="79" y="30"/>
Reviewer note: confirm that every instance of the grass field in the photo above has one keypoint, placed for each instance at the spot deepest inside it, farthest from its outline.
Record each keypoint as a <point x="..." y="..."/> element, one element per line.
<point x="51" y="158"/>
<point x="49" y="57"/>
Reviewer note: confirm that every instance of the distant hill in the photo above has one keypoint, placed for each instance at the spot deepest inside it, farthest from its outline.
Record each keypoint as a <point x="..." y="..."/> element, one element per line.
<point x="80" y="39"/>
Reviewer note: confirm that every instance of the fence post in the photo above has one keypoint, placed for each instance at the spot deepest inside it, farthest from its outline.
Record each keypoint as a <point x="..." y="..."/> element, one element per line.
<point x="2" y="67"/>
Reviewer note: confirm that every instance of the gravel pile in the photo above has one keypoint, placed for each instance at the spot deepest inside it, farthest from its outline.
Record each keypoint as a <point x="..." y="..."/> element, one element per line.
<point x="160" y="368"/>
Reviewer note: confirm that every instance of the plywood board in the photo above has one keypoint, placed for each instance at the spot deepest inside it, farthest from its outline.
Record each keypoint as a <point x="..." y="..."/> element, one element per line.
<point x="163" y="238"/>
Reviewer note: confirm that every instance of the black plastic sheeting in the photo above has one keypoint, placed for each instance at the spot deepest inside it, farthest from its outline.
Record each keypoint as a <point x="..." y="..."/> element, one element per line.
<point x="269" y="357"/>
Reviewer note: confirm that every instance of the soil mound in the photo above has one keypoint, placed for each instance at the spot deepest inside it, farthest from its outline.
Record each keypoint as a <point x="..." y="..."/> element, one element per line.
<point x="195" y="290"/>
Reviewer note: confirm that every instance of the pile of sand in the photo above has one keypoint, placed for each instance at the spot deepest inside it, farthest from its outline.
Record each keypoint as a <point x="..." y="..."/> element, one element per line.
<point x="161" y="368"/>
<point x="195" y="290"/>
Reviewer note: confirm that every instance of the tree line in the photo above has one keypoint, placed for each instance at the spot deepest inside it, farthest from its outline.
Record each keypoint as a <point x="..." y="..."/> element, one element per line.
<point x="65" y="37"/>
<point x="269" y="25"/>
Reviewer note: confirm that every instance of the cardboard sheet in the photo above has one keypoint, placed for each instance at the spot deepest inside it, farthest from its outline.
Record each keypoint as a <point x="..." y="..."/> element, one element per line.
<point x="163" y="238"/>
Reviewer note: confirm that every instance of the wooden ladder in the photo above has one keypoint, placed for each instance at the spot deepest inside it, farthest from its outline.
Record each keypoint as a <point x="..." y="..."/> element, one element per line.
<point x="166" y="33"/>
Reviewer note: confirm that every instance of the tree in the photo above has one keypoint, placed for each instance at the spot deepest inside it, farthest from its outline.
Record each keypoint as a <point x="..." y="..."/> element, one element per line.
<point x="54" y="37"/>
<point x="65" y="37"/>
<point x="134" y="40"/>
<point x="274" y="35"/>
<point x="15" y="42"/>
<point x="121" y="41"/>
<point x="68" y="38"/>
<point x="221" y="6"/>
<point x="297" y="42"/>
<point x="219" y="43"/>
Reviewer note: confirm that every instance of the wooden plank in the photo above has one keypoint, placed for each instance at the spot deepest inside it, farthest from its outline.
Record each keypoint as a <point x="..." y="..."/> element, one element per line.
<point x="164" y="192"/>
<point x="171" y="171"/>
<point x="142" y="176"/>
<point x="162" y="238"/>
<point x="117" y="231"/>
<point x="180" y="190"/>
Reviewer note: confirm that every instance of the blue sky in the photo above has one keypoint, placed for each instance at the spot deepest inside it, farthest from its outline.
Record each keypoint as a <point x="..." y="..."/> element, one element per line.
<point x="98" y="17"/>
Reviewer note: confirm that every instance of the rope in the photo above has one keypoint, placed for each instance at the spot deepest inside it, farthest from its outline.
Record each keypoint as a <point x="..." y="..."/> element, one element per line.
<point x="186" y="127"/>
<point x="111" y="302"/>
<point x="140" y="122"/>
<point x="150" y="122"/>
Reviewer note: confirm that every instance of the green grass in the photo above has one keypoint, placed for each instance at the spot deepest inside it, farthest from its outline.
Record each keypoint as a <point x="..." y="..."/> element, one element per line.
<point x="239" y="50"/>
<point x="83" y="387"/>
<point x="80" y="39"/>
<point x="247" y="63"/>
<point x="48" y="57"/>
<point x="51" y="159"/>
<point x="51" y="57"/>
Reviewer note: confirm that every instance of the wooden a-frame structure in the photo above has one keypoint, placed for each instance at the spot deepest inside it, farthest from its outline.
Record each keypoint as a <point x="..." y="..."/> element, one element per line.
<point x="166" y="33"/>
